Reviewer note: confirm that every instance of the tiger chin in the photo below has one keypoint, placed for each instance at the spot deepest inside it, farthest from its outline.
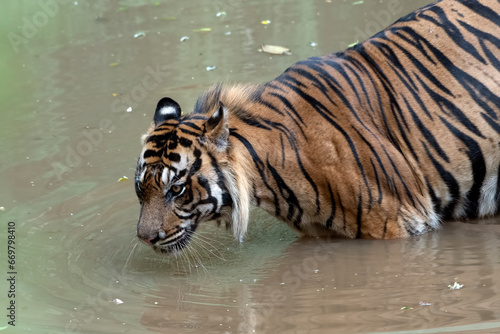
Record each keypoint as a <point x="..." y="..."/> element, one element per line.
<point x="384" y="140"/>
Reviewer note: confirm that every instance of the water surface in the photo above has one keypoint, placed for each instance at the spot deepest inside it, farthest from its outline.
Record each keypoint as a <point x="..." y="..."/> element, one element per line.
<point x="67" y="138"/>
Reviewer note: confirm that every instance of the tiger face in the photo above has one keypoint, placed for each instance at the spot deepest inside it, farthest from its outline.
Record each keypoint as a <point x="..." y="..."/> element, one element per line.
<point x="177" y="180"/>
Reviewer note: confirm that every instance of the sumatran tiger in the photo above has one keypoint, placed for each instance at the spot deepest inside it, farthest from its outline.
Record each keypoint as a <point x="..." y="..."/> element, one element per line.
<point x="384" y="140"/>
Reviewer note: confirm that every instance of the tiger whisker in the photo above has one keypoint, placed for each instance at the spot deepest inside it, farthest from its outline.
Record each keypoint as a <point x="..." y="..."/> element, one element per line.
<point x="205" y="237"/>
<point x="130" y="255"/>
<point x="198" y="257"/>
<point x="217" y="255"/>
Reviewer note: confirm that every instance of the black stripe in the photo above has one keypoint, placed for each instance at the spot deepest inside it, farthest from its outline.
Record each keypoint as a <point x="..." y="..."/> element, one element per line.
<point x="449" y="107"/>
<point x="292" y="141"/>
<point x="476" y="159"/>
<point x="451" y="183"/>
<point x="483" y="11"/>
<point x="287" y="193"/>
<point x="452" y="31"/>
<point x="482" y="37"/>
<point x="359" y="213"/>
<point x="329" y="221"/>
<point x="151" y="153"/>
<point x="260" y="167"/>
<point x="426" y="133"/>
<point x="188" y="132"/>
<point x="191" y="125"/>
<point x="478" y="91"/>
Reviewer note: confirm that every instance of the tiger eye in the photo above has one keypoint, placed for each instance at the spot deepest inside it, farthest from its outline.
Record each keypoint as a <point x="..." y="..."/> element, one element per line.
<point x="176" y="189"/>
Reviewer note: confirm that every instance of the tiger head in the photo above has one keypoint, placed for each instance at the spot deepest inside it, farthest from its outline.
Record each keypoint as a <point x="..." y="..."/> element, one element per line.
<point x="183" y="176"/>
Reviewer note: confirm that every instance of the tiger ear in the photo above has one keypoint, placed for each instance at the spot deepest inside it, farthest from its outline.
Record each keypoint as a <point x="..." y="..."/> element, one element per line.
<point x="165" y="110"/>
<point x="217" y="128"/>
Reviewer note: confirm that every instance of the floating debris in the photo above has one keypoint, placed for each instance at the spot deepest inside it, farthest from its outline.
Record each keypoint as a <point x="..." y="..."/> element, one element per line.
<point x="360" y="2"/>
<point x="129" y="109"/>
<point x="140" y="34"/>
<point x="265" y="22"/>
<point x="275" y="49"/>
<point x="227" y="33"/>
<point x="406" y="308"/>
<point x="424" y="304"/>
<point x="123" y="178"/>
<point x="114" y="64"/>
<point x="202" y="30"/>
<point x="184" y="38"/>
<point x="2" y="208"/>
<point x="117" y="301"/>
<point x="455" y="286"/>
<point x="313" y="44"/>
<point x="219" y="14"/>
<point x="211" y="68"/>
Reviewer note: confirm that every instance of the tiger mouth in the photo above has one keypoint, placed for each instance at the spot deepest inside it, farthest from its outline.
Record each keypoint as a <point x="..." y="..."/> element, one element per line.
<point x="174" y="245"/>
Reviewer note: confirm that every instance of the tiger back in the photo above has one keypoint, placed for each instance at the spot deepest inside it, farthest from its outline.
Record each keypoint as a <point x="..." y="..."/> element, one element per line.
<point x="383" y="140"/>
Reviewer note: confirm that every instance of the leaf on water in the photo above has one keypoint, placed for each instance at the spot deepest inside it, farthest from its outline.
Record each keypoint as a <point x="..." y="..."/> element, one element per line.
<point x="184" y="38"/>
<point x="275" y="49"/>
<point x="406" y="308"/>
<point x="114" y="94"/>
<point x="455" y="286"/>
<point x="211" y="68"/>
<point x="360" y="2"/>
<point x="123" y="178"/>
<point x="114" y="64"/>
<point x="219" y="14"/>
<point x="265" y="22"/>
<point x="202" y="30"/>
<point x="140" y="34"/>
<point x="117" y="301"/>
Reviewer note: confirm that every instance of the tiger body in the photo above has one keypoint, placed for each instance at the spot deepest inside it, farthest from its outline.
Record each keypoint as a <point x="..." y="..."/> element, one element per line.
<point x="383" y="140"/>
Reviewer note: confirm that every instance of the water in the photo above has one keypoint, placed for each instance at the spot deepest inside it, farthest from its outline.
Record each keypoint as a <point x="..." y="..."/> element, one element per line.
<point x="68" y="79"/>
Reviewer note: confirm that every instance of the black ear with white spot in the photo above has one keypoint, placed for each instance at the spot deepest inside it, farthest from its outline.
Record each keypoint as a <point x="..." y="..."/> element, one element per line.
<point x="165" y="110"/>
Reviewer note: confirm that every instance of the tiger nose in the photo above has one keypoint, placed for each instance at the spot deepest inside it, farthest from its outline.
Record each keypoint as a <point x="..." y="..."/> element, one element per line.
<point x="152" y="238"/>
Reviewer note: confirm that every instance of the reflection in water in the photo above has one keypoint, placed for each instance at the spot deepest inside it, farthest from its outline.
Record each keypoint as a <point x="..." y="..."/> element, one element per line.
<point x="351" y="286"/>
<point x="81" y="268"/>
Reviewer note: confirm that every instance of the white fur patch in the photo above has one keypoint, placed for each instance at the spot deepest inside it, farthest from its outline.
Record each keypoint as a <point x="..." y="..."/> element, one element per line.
<point x="164" y="176"/>
<point x="144" y="137"/>
<point x="169" y="110"/>
<point x="488" y="204"/>
<point x="173" y="237"/>
<point x="167" y="176"/>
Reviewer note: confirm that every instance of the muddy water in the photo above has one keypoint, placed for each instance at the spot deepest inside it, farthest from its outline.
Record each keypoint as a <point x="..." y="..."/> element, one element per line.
<point x="70" y="72"/>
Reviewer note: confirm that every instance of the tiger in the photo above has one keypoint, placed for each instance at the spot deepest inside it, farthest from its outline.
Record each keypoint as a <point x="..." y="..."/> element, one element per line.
<point x="387" y="139"/>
